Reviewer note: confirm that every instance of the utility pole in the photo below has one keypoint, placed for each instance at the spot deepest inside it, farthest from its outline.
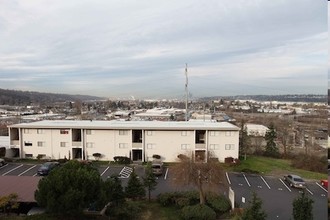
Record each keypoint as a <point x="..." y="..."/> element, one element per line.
<point x="186" y="89"/>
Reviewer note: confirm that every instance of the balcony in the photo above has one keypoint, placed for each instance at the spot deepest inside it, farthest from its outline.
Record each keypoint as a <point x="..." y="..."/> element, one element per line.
<point x="14" y="143"/>
<point x="76" y="143"/>
<point x="136" y="145"/>
<point x="200" y="146"/>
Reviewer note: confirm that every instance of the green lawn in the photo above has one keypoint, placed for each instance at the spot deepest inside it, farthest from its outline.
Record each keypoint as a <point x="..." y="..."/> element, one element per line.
<point x="271" y="166"/>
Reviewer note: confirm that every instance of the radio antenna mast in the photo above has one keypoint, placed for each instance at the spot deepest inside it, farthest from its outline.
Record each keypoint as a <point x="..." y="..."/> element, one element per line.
<point x="186" y="89"/>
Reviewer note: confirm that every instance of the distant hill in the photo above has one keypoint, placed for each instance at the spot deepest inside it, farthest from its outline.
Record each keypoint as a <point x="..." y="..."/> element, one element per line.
<point x="280" y="98"/>
<point x="15" y="97"/>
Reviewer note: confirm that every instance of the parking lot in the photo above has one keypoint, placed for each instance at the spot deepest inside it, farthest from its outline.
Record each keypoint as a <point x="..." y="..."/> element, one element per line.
<point x="276" y="195"/>
<point x="22" y="169"/>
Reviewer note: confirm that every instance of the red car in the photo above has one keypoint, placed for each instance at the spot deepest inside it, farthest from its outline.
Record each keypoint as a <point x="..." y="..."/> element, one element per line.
<point x="324" y="183"/>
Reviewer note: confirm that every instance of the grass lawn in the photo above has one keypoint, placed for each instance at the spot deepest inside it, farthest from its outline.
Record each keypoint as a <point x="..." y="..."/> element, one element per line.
<point x="271" y="166"/>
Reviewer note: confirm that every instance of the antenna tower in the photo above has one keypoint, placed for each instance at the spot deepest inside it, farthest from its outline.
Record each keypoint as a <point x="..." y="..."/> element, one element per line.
<point x="186" y="89"/>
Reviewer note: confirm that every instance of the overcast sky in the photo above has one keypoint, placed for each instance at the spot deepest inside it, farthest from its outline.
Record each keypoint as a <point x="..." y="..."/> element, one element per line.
<point x="123" y="48"/>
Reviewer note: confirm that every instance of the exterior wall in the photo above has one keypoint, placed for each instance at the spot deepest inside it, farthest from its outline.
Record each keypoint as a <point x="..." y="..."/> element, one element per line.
<point x="223" y="144"/>
<point x="50" y="140"/>
<point x="110" y="143"/>
<point x="168" y="144"/>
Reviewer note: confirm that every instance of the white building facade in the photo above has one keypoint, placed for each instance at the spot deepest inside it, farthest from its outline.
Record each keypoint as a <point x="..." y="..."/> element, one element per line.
<point x="138" y="140"/>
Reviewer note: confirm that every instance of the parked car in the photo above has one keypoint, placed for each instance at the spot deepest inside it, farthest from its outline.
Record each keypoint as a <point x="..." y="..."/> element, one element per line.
<point x="295" y="181"/>
<point x="47" y="167"/>
<point x="324" y="183"/>
<point x="2" y="162"/>
<point x="157" y="167"/>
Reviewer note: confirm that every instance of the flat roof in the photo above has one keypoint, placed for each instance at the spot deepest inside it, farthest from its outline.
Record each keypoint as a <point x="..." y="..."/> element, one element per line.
<point x="23" y="186"/>
<point x="151" y="125"/>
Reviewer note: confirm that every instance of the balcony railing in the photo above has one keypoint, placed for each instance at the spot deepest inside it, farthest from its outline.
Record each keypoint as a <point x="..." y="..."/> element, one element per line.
<point x="136" y="145"/>
<point x="200" y="146"/>
<point x="76" y="143"/>
<point x="14" y="142"/>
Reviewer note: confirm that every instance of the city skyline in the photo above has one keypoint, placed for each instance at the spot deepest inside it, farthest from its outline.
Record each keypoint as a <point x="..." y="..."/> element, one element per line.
<point x="140" y="49"/>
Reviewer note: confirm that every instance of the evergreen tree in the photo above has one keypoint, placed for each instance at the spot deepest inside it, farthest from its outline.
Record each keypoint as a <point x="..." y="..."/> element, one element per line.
<point x="113" y="190"/>
<point x="244" y="139"/>
<point x="69" y="189"/>
<point x="134" y="188"/>
<point x="149" y="180"/>
<point x="271" y="148"/>
<point x="303" y="208"/>
<point x="254" y="210"/>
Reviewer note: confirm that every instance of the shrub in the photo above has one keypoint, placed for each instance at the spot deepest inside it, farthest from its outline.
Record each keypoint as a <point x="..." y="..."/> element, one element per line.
<point x="97" y="156"/>
<point x="167" y="199"/>
<point x="219" y="203"/>
<point x="128" y="210"/>
<point x="156" y="156"/>
<point x="197" y="212"/>
<point x="122" y="160"/>
<point x="179" y="199"/>
<point x="192" y="196"/>
<point x="182" y="202"/>
<point x="310" y="162"/>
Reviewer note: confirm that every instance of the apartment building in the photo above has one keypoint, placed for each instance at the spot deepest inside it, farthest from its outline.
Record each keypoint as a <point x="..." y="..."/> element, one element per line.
<point x="138" y="140"/>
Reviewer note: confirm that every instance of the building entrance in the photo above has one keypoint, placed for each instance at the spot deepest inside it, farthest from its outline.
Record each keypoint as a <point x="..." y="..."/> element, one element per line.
<point x="137" y="155"/>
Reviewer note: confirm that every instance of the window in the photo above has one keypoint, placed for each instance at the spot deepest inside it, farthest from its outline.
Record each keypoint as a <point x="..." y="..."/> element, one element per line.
<point x="229" y="146"/>
<point x="229" y="133"/>
<point x="123" y="132"/>
<point x="89" y="145"/>
<point x="63" y="144"/>
<point x="63" y="131"/>
<point x="29" y="155"/>
<point x="185" y="146"/>
<point x="214" y="147"/>
<point x="41" y="144"/>
<point x="184" y="133"/>
<point x="89" y="131"/>
<point x="27" y="143"/>
<point x="123" y="145"/>
<point x="150" y="133"/>
<point x="26" y="131"/>
<point x="151" y="146"/>
<point x="214" y="133"/>
<point x="40" y="131"/>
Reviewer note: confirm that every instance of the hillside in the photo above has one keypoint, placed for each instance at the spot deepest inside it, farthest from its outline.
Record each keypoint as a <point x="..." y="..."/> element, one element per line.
<point x="280" y="98"/>
<point x="15" y="97"/>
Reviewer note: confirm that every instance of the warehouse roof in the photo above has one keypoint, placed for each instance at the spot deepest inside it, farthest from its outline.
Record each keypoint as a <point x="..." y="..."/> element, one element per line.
<point x="152" y="125"/>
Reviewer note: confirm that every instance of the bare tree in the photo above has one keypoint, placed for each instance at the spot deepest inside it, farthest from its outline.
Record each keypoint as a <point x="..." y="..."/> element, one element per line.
<point x="201" y="175"/>
<point x="284" y="130"/>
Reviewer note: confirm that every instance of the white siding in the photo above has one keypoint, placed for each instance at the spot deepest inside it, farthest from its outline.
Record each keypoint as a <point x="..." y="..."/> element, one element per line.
<point x="110" y="142"/>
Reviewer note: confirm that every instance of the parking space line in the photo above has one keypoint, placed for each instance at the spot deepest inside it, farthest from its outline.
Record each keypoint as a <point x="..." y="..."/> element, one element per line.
<point x="104" y="171"/>
<point x="321" y="186"/>
<point x="166" y="174"/>
<point x="309" y="191"/>
<point x="35" y="174"/>
<point x="285" y="185"/>
<point x="27" y="170"/>
<point x="265" y="182"/>
<point x="228" y="178"/>
<point x="246" y="180"/>
<point x="12" y="170"/>
<point x="4" y="166"/>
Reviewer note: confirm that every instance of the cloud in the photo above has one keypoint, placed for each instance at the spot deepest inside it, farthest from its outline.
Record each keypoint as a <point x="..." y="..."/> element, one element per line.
<point x="141" y="47"/>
